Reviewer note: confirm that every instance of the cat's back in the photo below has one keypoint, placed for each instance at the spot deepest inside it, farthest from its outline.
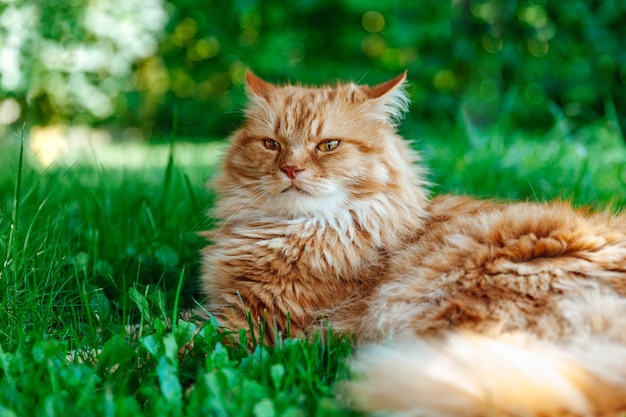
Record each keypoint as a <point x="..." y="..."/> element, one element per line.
<point x="520" y="237"/>
<point x="480" y="265"/>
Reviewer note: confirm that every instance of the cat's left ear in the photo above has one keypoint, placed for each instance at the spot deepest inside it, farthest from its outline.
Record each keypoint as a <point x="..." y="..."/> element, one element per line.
<point x="387" y="87"/>
<point x="392" y="97"/>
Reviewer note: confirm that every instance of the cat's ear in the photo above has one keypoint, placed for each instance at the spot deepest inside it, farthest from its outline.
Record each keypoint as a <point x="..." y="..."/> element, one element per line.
<point x="257" y="86"/>
<point x="387" y="87"/>
<point x="391" y="96"/>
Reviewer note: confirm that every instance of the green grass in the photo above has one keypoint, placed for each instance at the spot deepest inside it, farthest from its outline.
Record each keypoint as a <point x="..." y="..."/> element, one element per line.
<point x="98" y="257"/>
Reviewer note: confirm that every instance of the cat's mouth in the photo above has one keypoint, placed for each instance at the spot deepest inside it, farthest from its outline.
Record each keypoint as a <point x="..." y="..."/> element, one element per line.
<point x="294" y="188"/>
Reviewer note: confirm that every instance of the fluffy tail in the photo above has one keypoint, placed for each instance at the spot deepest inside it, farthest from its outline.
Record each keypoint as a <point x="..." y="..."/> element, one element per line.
<point x="469" y="375"/>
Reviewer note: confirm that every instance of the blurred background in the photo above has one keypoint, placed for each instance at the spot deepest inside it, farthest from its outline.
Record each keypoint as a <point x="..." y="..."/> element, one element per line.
<point x="143" y="70"/>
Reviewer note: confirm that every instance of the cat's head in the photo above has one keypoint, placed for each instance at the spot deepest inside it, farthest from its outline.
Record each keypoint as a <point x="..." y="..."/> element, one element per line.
<point x="309" y="152"/>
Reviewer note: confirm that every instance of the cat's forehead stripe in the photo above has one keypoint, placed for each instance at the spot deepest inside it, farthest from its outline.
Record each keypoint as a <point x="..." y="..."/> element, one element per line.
<point x="288" y="100"/>
<point x="300" y="113"/>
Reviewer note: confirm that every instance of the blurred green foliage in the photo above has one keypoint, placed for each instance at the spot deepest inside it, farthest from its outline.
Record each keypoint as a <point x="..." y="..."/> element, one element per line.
<point x="529" y="63"/>
<point x="73" y="59"/>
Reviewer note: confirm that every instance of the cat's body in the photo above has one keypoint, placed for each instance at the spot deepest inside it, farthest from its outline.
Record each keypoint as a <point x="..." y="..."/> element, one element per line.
<point x="489" y="309"/>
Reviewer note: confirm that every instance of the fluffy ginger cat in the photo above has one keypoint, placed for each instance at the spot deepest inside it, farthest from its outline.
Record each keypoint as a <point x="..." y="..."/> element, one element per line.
<point x="460" y="307"/>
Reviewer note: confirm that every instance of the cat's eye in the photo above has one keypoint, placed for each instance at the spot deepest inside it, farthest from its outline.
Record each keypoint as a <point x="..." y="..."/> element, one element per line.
<point x="328" y="145"/>
<point x="271" y="144"/>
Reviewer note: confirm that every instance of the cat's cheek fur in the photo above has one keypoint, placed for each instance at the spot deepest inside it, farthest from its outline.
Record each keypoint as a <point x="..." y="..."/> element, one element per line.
<point x="380" y="172"/>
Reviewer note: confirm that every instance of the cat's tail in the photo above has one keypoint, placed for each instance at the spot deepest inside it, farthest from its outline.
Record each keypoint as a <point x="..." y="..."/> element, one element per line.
<point x="469" y="375"/>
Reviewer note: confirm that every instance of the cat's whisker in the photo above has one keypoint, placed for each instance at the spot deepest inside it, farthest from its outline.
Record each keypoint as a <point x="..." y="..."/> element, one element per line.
<point x="252" y="200"/>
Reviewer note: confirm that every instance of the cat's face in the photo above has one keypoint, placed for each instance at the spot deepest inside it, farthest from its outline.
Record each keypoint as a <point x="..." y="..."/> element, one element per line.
<point x="307" y="152"/>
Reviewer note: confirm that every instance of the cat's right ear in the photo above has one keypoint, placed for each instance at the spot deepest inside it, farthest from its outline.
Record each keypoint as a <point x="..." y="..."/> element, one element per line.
<point x="257" y="86"/>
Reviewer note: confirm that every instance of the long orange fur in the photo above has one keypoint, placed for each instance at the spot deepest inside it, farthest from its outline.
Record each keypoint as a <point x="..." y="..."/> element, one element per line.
<point x="461" y="307"/>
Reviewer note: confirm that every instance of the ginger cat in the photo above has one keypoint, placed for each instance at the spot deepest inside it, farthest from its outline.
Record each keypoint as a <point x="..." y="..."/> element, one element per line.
<point x="461" y="307"/>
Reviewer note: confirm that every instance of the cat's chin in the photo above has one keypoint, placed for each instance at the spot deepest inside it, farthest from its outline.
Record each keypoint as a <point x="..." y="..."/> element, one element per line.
<point x="295" y="202"/>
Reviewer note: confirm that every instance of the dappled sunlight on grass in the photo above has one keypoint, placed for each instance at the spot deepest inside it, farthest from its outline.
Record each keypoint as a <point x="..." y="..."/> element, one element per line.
<point x="134" y="155"/>
<point x="139" y="155"/>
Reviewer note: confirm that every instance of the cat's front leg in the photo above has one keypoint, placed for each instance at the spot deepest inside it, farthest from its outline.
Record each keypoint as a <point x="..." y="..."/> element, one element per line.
<point x="246" y="291"/>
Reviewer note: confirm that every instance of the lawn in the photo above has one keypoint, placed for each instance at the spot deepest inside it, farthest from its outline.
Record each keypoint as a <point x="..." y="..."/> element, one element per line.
<point x="99" y="262"/>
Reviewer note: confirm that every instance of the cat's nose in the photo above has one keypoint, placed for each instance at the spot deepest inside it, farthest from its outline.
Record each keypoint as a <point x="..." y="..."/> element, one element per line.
<point x="291" y="170"/>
